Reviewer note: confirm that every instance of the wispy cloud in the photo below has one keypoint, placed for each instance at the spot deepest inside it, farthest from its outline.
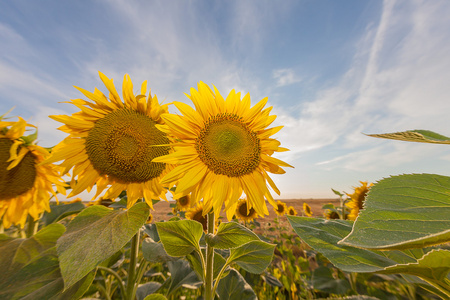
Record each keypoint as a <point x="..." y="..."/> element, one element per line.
<point x="285" y="77"/>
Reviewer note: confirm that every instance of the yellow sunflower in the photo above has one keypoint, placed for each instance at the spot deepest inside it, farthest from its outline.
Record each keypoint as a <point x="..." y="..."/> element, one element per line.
<point x="150" y="219"/>
<point x="113" y="143"/>
<point x="307" y="209"/>
<point x="331" y="214"/>
<point x="184" y="203"/>
<point x="224" y="148"/>
<point x="245" y="213"/>
<point x="280" y="208"/>
<point x="25" y="183"/>
<point x="357" y="199"/>
<point x="196" y="214"/>
<point x="291" y="211"/>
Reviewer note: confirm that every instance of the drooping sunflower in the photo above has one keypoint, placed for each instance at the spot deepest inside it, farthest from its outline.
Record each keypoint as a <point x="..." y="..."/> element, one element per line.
<point x="244" y="212"/>
<point x="357" y="199"/>
<point x="307" y="209"/>
<point x="291" y="211"/>
<point x="224" y="149"/>
<point x="196" y="214"/>
<point x="26" y="185"/>
<point x="113" y="143"/>
<point x="280" y="208"/>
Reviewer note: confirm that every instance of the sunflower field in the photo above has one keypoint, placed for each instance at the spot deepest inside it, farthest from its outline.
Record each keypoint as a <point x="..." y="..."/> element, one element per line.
<point x="386" y="240"/>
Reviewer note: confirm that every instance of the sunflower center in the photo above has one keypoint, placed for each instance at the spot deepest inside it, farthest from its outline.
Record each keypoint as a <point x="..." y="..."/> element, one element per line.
<point x="280" y="208"/>
<point x="228" y="147"/>
<point x="120" y="145"/>
<point x="19" y="179"/>
<point x="198" y="216"/>
<point x="243" y="210"/>
<point x="184" y="201"/>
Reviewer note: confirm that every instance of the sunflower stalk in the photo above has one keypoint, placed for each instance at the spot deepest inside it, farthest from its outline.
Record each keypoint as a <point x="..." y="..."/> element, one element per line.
<point x="209" y="276"/>
<point x="118" y="278"/>
<point x="32" y="227"/>
<point x="134" y="251"/>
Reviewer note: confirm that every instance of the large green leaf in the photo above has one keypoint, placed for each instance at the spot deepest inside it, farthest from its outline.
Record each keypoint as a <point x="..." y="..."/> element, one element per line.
<point x="234" y="287"/>
<point x="324" y="235"/>
<point x="232" y="235"/>
<point x="421" y="136"/>
<point x="433" y="267"/>
<point x="180" y="237"/>
<point x="94" y="235"/>
<point x="32" y="268"/>
<point x="403" y="212"/>
<point x="253" y="257"/>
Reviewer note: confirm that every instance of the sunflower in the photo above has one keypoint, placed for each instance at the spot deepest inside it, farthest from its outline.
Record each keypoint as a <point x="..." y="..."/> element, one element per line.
<point x="280" y="208"/>
<point x="331" y="214"/>
<point x="224" y="148"/>
<point x="307" y="209"/>
<point x="196" y="214"/>
<point x="184" y="203"/>
<point x="357" y="199"/>
<point x="112" y="143"/>
<point x="291" y="211"/>
<point x="25" y="183"/>
<point x="150" y="219"/>
<point x="245" y="213"/>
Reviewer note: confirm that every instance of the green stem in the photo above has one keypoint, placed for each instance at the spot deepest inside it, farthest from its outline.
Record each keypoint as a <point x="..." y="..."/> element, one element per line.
<point x="134" y="251"/>
<point x="209" y="278"/>
<point x="142" y="266"/>
<point x="117" y="276"/>
<point x="220" y="275"/>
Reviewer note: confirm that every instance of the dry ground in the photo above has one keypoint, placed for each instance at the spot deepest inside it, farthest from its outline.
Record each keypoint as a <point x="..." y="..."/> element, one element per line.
<point x="162" y="208"/>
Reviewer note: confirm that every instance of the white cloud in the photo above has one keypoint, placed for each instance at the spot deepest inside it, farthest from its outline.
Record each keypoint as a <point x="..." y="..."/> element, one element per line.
<point x="285" y="77"/>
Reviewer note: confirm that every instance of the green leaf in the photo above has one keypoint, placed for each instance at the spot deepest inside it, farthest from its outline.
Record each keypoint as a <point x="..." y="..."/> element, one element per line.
<point x="433" y="267"/>
<point x="154" y="252"/>
<point x="253" y="257"/>
<point x="147" y="289"/>
<point x="324" y="235"/>
<point x="234" y="287"/>
<point x="232" y="235"/>
<point x="406" y="211"/>
<point x="181" y="274"/>
<point x="94" y="235"/>
<point x="323" y="280"/>
<point x="59" y="212"/>
<point x="180" y="237"/>
<point x="421" y="136"/>
<point x="32" y="268"/>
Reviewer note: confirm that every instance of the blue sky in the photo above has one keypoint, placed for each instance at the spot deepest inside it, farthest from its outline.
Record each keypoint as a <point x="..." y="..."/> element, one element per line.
<point x="332" y="70"/>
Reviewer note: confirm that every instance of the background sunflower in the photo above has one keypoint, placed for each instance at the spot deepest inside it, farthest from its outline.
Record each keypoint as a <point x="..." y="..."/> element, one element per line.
<point x="307" y="209"/>
<point x="356" y="202"/>
<point x="291" y="211"/>
<point x="113" y="143"/>
<point x="26" y="185"/>
<point x="224" y="149"/>
<point x="244" y="212"/>
<point x="280" y="208"/>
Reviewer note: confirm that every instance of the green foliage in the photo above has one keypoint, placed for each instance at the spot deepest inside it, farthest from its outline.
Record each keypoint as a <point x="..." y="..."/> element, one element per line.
<point x="94" y="235"/>
<point x="232" y="235"/>
<point x="234" y="287"/>
<point x="33" y="263"/>
<point x="406" y="211"/>
<point x="421" y="136"/>
<point x="180" y="237"/>
<point x="61" y="211"/>
<point x="253" y="257"/>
